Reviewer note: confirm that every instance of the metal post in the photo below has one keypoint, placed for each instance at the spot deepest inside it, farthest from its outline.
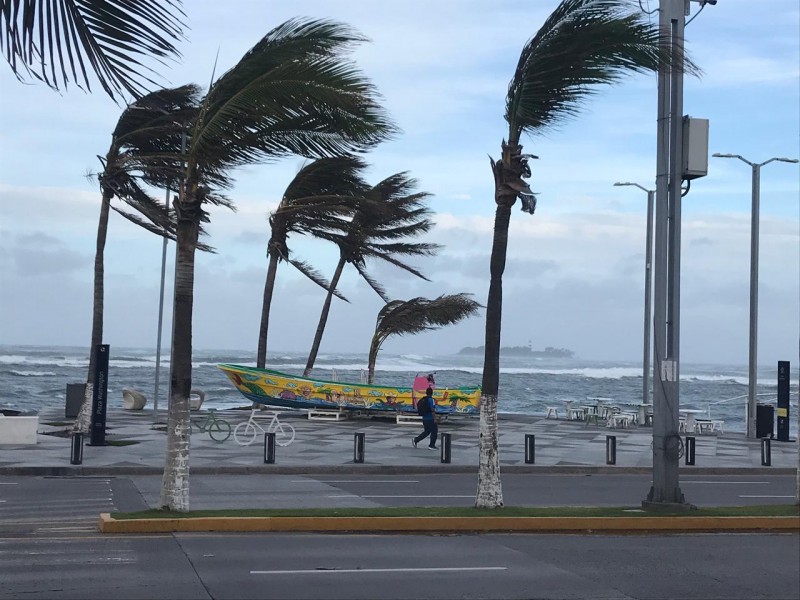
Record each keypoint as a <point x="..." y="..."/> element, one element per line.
<point x="269" y="447"/>
<point x="666" y="321"/>
<point x="611" y="449"/>
<point x="358" y="448"/>
<point x="530" y="449"/>
<point x="160" y="315"/>
<point x="752" y="371"/>
<point x="689" y="450"/>
<point x="76" y="455"/>
<point x="445" y="452"/>
<point x="648" y="273"/>
<point x="766" y="452"/>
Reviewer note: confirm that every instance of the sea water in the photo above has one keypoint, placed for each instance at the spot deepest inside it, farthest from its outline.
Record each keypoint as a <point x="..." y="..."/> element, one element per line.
<point x="35" y="377"/>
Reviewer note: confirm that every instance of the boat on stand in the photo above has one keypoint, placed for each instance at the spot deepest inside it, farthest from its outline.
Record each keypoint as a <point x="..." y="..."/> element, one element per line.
<point x="274" y="388"/>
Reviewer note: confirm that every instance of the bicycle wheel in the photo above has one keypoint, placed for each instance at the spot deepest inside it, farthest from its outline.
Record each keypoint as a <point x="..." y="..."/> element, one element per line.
<point x="245" y="433"/>
<point x="219" y="430"/>
<point x="284" y="433"/>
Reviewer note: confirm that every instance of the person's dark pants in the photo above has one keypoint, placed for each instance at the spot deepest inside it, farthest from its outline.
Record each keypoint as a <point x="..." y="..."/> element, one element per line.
<point x="431" y="429"/>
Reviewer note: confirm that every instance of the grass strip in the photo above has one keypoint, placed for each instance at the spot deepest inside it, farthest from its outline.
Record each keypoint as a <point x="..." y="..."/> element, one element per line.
<point x="768" y="510"/>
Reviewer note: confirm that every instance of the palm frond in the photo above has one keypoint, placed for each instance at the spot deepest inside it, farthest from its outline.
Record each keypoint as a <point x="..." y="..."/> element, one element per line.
<point x="583" y="44"/>
<point x="314" y="276"/>
<point x="371" y="281"/>
<point x="292" y="93"/>
<point x="63" y="41"/>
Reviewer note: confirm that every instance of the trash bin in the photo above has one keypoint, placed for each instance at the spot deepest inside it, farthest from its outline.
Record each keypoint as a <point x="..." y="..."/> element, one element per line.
<point x="75" y="394"/>
<point x="765" y="421"/>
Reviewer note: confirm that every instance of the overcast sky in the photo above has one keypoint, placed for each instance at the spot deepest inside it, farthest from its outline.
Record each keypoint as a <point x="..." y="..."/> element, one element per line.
<point x="575" y="271"/>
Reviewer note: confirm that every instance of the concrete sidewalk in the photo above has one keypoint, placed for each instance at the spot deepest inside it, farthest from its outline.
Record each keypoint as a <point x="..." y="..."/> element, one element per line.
<point x="329" y="446"/>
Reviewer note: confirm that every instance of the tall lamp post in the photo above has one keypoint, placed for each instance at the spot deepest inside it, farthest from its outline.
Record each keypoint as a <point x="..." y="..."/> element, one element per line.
<point x="754" y="222"/>
<point x="648" y="253"/>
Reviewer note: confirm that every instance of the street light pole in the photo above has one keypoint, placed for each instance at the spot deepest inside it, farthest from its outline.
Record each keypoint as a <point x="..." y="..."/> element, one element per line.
<point x="752" y="374"/>
<point x="647" y="290"/>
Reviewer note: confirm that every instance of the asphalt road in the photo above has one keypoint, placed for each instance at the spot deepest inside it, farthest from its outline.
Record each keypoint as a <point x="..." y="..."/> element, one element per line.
<point x="50" y="548"/>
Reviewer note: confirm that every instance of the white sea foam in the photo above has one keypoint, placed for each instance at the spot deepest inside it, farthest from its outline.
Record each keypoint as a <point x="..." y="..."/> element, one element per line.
<point x="32" y="373"/>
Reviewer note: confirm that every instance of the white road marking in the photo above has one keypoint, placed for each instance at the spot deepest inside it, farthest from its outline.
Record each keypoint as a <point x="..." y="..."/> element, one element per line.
<point x="8" y="483"/>
<point x="382" y="496"/>
<point x="354" y="481"/>
<point x="727" y="482"/>
<point x="766" y="496"/>
<point x="415" y="570"/>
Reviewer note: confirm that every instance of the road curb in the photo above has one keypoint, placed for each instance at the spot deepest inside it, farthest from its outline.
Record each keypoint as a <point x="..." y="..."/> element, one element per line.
<point x="620" y="525"/>
<point x="367" y="469"/>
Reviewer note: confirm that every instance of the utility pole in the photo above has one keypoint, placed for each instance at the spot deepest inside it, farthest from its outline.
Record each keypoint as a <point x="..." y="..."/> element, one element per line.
<point x="665" y="491"/>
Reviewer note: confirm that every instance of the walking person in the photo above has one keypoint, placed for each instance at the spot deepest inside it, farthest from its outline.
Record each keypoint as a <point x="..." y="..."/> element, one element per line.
<point x="426" y="408"/>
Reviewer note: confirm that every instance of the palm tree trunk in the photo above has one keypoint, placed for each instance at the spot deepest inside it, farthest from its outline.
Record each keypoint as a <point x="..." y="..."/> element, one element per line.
<point x="269" y="286"/>
<point x="175" y="482"/>
<point x="490" y="491"/>
<point x="323" y="319"/>
<point x="82" y="421"/>
<point x="374" y="346"/>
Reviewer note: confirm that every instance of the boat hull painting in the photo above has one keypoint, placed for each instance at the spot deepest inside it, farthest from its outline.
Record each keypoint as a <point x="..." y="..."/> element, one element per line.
<point x="274" y="388"/>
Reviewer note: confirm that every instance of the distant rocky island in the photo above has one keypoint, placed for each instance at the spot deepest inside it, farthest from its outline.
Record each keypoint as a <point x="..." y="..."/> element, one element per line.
<point x="548" y="352"/>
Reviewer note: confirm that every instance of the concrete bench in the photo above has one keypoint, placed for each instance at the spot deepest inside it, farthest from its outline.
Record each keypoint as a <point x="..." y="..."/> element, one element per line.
<point x="408" y="419"/>
<point x="552" y="411"/>
<point x="18" y="429"/>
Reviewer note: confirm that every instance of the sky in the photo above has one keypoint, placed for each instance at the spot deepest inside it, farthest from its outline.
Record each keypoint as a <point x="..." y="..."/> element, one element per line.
<point x="575" y="271"/>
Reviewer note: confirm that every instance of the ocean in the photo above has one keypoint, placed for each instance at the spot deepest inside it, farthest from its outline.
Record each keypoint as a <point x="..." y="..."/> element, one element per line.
<point x="35" y="377"/>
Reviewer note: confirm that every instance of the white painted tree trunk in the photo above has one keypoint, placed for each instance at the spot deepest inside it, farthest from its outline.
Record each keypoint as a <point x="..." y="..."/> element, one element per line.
<point x="175" y="482"/>
<point x="490" y="491"/>
<point x="82" y="421"/>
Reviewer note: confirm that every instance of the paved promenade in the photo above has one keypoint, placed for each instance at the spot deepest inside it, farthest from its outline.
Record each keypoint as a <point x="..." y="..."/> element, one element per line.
<point x="320" y="446"/>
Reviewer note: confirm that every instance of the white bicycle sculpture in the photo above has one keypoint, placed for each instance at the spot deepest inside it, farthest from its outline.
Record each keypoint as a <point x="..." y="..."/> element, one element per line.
<point x="247" y="432"/>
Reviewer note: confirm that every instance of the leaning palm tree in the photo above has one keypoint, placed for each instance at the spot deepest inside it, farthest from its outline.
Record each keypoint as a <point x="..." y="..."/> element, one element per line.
<point x="389" y="214"/>
<point x="147" y="133"/>
<point x="404" y="317"/>
<point x="318" y="199"/>
<point x="293" y="93"/>
<point x="53" y="40"/>
<point x="582" y="43"/>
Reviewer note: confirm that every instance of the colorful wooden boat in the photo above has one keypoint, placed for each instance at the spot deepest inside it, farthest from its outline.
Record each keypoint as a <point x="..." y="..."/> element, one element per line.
<point x="280" y="389"/>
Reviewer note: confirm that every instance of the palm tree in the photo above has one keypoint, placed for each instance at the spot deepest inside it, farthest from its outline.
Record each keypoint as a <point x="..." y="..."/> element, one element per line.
<point x="403" y="317"/>
<point x="53" y="40"/>
<point x="388" y="214"/>
<point x="147" y="132"/>
<point x="293" y="93"/>
<point x="582" y="43"/>
<point x="318" y="199"/>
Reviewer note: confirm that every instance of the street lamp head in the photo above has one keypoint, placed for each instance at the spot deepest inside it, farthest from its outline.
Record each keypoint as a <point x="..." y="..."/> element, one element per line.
<point x="789" y="160"/>
<point x="623" y="183"/>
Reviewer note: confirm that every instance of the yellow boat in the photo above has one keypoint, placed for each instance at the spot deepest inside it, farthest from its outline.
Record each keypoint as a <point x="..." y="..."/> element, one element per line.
<point x="280" y="389"/>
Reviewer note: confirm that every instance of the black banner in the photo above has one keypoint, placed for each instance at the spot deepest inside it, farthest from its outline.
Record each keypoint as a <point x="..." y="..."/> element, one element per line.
<point x="783" y="400"/>
<point x="99" y="397"/>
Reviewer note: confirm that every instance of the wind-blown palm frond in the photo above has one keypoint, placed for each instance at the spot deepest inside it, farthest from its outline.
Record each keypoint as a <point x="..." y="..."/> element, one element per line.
<point x="61" y="41"/>
<point x="407" y="317"/>
<point x="584" y="43"/>
<point x="292" y="93"/>
<point x="372" y="282"/>
<point x="314" y="275"/>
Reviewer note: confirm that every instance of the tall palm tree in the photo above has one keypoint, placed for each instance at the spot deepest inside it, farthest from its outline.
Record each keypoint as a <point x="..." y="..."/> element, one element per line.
<point x="318" y="199"/>
<point x="404" y="317"/>
<point x="581" y="44"/>
<point x="293" y="93"/>
<point x="146" y="134"/>
<point x="389" y="214"/>
<point x="55" y="40"/>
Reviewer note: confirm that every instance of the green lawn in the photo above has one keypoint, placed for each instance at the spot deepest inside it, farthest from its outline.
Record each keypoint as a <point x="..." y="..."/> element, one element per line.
<point x="771" y="510"/>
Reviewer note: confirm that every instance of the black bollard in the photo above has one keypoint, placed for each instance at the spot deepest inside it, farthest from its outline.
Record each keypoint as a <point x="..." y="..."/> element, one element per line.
<point x="530" y="448"/>
<point x="766" y="452"/>
<point x="269" y="448"/>
<point x="358" y="448"/>
<point x="76" y="457"/>
<point x="689" y="450"/>
<point x="611" y="449"/>
<point x="445" y="443"/>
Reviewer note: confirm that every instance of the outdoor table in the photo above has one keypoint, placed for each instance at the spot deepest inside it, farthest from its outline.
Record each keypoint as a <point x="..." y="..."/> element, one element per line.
<point x="691" y="422"/>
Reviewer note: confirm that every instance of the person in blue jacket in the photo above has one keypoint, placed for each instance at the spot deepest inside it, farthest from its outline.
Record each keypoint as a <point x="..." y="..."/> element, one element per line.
<point x="426" y="408"/>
